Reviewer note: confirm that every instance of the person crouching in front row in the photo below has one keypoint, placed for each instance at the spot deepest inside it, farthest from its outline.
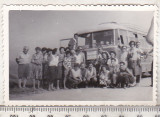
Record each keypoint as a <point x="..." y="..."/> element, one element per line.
<point x="125" y="77"/>
<point x="114" y="70"/>
<point x="75" y="76"/>
<point x="53" y="60"/>
<point x="84" y="82"/>
<point x="91" y="75"/>
<point x="104" y="80"/>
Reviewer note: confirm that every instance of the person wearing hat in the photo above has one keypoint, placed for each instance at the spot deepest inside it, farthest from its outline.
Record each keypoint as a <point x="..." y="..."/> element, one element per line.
<point x="23" y="61"/>
<point x="36" y="61"/>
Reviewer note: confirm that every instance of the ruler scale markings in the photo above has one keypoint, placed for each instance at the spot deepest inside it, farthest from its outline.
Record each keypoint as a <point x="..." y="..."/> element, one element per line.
<point x="102" y="111"/>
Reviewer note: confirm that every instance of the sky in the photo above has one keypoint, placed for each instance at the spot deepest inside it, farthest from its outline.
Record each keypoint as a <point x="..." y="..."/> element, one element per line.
<point x="46" y="28"/>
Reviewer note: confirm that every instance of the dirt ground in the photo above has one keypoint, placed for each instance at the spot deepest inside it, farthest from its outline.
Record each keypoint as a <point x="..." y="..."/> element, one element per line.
<point x="143" y="92"/>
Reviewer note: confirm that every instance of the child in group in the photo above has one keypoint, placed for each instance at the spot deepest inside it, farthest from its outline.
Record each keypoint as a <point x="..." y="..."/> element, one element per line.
<point x="53" y="60"/>
<point x="104" y="77"/>
<point x="75" y="77"/>
<point x="125" y="76"/>
<point x="67" y="67"/>
<point x="36" y="61"/>
<point x="91" y="75"/>
<point x="114" y="70"/>
<point x="23" y="61"/>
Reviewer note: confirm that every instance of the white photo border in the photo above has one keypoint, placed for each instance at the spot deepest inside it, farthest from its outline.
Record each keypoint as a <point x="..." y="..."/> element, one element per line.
<point x="5" y="58"/>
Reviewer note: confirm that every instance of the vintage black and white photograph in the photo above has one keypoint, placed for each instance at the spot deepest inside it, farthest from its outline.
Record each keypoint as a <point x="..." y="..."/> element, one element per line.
<point x="81" y="55"/>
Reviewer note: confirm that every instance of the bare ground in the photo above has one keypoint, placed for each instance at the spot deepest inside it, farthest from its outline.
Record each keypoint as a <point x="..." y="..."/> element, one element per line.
<point x="138" y="93"/>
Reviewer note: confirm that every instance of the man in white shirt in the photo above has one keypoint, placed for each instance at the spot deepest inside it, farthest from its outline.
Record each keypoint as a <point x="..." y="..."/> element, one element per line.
<point x="23" y="61"/>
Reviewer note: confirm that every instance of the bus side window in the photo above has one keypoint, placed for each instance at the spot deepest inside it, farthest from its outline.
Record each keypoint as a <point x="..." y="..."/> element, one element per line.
<point x="122" y="41"/>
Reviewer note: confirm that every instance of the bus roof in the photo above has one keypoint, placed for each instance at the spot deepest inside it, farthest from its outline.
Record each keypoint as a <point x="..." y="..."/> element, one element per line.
<point x="110" y="26"/>
<point x="65" y="39"/>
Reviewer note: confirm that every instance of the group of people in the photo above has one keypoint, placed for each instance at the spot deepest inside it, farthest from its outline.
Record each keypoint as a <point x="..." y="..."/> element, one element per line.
<point x="68" y="67"/>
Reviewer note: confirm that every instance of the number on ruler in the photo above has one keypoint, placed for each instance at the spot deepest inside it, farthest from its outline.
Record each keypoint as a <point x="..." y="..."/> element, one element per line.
<point x="68" y="116"/>
<point x="103" y="115"/>
<point x="157" y="115"/>
<point x="13" y="115"/>
<point x="121" y="116"/>
<point x="49" y="115"/>
<point x="139" y="115"/>
<point x="32" y="116"/>
<point x="85" y="115"/>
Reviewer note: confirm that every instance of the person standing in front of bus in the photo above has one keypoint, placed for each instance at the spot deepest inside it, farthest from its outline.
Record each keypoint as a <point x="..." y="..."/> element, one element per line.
<point x="133" y="61"/>
<point x="78" y="57"/>
<point x="53" y="60"/>
<point x="23" y="61"/>
<point x="104" y="61"/>
<point x="140" y="53"/>
<point x="112" y="56"/>
<point x="67" y="67"/>
<point x="98" y="59"/>
<point x="73" y="58"/>
<point x="73" y="42"/>
<point x="60" y="65"/>
<point x="83" y="59"/>
<point x="124" y="55"/>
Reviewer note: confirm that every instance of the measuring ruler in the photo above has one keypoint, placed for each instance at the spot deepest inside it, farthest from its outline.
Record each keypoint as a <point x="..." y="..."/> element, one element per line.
<point x="80" y="111"/>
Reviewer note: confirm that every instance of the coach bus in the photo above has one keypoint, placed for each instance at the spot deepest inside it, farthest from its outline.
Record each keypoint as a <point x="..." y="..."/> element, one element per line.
<point x="111" y="37"/>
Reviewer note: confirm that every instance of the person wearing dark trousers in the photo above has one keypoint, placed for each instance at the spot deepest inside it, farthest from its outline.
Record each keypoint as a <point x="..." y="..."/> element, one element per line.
<point x="133" y="62"/>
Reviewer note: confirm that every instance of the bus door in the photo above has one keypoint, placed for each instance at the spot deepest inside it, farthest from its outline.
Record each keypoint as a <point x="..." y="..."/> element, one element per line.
<point x="123" y="37"/>
<point x="81" y="41"/>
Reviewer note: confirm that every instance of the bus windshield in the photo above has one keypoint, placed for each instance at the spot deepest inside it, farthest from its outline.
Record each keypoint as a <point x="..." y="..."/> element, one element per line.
<point x="98" y="39"/>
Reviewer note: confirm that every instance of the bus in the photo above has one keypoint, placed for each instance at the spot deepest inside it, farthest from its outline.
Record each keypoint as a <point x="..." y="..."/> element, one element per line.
<point x="111" y="37"/>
